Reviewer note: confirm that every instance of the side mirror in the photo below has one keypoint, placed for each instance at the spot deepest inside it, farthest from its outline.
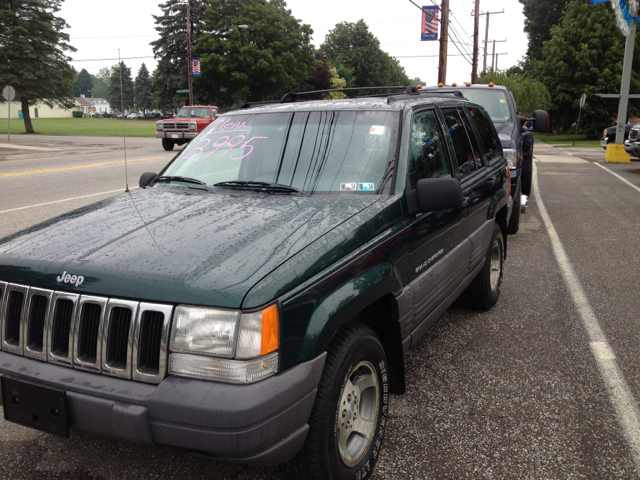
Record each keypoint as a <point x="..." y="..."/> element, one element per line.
<point x="541" y="121"/>
<point x="146" y="179"/>
<point x="435" y="194"/>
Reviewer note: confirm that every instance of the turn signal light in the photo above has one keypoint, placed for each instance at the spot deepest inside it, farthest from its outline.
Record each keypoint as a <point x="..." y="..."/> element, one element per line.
<point x="454" y="84"/>
<point x="270" y="333"/>
<point x="491" y="84"/>
<point x="468" y="84"/>
<point x="440" y="85"/>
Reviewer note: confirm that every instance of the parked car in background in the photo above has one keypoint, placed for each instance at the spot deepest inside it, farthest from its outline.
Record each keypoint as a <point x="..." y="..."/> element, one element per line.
<point x="118" y="115"/>
<point x="609" y="134"/>
<point x="132" y="116"/>
<point x="632" y="144"/>
<point x="107" y="115"/>
<point x="189" y="122"/>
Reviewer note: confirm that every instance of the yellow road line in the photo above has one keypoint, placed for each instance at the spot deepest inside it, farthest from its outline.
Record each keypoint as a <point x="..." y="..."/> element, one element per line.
<point x="79" y="166"/>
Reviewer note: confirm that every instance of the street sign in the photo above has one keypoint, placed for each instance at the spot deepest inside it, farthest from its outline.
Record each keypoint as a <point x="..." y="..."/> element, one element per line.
<point x="583" y="100"/>
<point x="182" y="91"/>
<point x="8" y="93"/>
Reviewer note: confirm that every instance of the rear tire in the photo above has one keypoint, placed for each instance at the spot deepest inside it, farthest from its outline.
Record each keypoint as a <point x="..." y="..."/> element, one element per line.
<point x="167" y="144"/>
<point x="349" y="415"/>
<point x="484" y="291"/>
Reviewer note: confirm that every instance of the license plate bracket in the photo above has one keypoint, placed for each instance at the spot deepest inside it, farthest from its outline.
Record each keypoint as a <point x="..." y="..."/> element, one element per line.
<point x="35" y="406"/>
<point x="175" y="135"/>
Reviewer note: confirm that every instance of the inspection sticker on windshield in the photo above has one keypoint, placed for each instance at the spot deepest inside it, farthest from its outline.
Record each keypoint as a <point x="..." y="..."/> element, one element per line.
<point x="348" y="187"/>
<point x="376" y="130"/>
<point x="502" y="100"/>
<point x="366" y="187"/>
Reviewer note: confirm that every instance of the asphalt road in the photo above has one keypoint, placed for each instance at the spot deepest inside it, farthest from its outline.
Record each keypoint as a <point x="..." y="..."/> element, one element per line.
<point x="543" y="386"/>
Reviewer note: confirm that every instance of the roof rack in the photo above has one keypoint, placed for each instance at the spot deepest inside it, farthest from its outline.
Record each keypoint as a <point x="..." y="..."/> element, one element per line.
<point x="292" y="97"/>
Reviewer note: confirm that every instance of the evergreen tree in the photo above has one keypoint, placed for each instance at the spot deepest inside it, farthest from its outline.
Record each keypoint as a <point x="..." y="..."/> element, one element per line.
<point x="144" y="97"/>
<point x="83" y="84"/>
<point x="32" y="57"/>
<point x="585" y="55"/>
<point x="352" y="47"/>
<point x="170" y="49"/>
<point x="127" y="96"/>
<point x="273" y="56"/>
<point x="540" y="16"/>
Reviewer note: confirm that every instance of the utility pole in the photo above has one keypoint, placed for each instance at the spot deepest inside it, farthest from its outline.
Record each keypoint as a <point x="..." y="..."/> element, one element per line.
<point x="497" y="55"/>
<point x="494" y="60"/>
<point x="189" y="77"/>
<point x="486" y="37"/>
<point x="444" y="39"/>
<point x="476" y="25"/>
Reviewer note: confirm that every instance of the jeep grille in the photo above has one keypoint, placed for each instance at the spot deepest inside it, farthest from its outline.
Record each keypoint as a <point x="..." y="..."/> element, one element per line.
<point x="104" y="335"/>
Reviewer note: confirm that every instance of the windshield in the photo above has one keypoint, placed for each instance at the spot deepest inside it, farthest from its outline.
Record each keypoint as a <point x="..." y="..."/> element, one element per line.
<point x="494" y="102"/>
<point x="188" y="112"/>
<point x="322" y="152"/>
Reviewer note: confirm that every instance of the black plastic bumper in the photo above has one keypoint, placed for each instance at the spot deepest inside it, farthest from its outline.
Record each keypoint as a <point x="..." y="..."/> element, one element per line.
<point x="260" y="424"/>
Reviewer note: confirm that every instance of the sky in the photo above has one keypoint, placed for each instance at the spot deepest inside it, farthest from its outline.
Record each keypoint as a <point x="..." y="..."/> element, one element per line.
<point x="97" y="32"/>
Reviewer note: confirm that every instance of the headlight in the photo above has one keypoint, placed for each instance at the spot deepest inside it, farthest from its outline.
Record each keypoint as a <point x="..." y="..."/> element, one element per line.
<point x="193" y="127"/>
<point x="207" y="331"/>
<point x="159" y="126"/>
<point x="252" y="338"/>
<point x="512" y="156"/>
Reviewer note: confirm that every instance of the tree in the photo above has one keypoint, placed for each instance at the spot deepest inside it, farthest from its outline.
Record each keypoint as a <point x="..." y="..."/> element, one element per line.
<point x="101" y="83"/>
<point x="273" y="56"/>
<point x="83" y="84"/>
<point x="170" y="49"/>
<point x="530" y="94"/>
<point x="540" y="16"/>
<point x="352" y="48"/>
<point x="32" y="57"/>
<point x="126" y="100"/>
<point x="585" y="55"/>
<point x="144" y="97"/>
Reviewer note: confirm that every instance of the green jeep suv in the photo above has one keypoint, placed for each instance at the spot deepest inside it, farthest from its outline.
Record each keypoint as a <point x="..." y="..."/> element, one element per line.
<point x="254" y="300"/>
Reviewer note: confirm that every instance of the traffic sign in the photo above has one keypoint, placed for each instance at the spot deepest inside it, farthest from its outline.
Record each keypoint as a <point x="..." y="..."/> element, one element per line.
<point x="583" y="100"/>
<point x="182" y="91"/>
<point x="8" y="93"/>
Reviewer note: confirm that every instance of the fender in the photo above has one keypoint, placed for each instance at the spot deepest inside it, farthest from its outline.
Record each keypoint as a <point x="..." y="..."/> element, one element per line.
<point x="310" y="318"/>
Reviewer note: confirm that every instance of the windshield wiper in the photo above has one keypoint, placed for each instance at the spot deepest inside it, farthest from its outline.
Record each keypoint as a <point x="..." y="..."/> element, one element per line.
<point x="174" y="178"/>
<point x="264" y="185"/>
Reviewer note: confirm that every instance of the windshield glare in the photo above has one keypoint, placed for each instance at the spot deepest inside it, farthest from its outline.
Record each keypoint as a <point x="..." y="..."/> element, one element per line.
<point x="189" y="112"/>
<point x="322" y="152"/>
<point x="494" y="102"/>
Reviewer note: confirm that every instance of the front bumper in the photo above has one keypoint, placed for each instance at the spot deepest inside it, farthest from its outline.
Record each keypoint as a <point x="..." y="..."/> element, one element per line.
<point x="264" y="423"/>
<point x="177" y="135"/>
<point x="632" y="148"/>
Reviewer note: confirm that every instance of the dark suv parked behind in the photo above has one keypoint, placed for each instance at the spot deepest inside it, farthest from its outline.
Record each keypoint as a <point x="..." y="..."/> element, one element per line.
<point x="254" y="300"/>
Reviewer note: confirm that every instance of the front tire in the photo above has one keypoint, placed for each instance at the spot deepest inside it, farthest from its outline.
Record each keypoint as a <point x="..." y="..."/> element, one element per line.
<point x="167" y="144"/>
<point x="484" y="291"/>
<point x="349" y="415"/>
<point x="514" y="221"/>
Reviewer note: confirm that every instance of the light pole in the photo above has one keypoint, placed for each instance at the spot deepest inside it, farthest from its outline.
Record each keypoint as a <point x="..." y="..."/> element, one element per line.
<point x="189" y="67"/>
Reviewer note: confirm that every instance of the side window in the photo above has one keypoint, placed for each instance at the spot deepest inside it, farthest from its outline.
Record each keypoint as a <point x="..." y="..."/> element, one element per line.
<point x="467" y="158"/>
<point x="488" y="134"/>
<point x="428" y="150"/>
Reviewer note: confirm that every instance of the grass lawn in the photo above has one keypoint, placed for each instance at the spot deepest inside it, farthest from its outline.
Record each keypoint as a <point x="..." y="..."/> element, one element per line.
<point x="83" y="126"/>
<point x="562" y="141"/>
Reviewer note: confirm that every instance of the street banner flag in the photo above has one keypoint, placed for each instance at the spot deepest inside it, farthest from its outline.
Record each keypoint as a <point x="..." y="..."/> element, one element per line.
<point x="430" y="23"/>
<point x="195" y="67"/>
<point x="593" y="2"/>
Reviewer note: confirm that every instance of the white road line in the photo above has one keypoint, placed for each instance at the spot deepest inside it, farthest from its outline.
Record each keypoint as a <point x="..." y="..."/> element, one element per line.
<point x="621" y="397"/>
<point x="120" y="190"/>
<point x="618" y="176"/>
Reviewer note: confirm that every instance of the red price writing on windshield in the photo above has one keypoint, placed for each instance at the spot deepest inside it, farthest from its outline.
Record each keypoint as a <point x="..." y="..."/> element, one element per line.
<point x="225" y="141"/>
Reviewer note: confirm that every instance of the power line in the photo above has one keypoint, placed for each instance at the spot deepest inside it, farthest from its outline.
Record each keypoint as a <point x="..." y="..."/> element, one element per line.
<point x="107" y="59"/>
<point x="117" y="36"/>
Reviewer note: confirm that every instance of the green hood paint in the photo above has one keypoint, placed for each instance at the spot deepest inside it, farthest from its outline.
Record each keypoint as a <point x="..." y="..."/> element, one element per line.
<point x="168" y="245"/>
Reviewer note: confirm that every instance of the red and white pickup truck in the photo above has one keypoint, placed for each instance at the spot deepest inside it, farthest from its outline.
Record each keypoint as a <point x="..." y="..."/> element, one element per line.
<point x="189" y="122"/>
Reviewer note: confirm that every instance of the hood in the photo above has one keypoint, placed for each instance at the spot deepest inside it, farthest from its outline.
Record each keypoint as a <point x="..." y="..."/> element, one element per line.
<point x="172" y="246"/>
<point x="505" y="132"/>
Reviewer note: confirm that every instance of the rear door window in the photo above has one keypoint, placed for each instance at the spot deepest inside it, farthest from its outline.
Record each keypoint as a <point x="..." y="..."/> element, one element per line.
<point x="487" y="132"/>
